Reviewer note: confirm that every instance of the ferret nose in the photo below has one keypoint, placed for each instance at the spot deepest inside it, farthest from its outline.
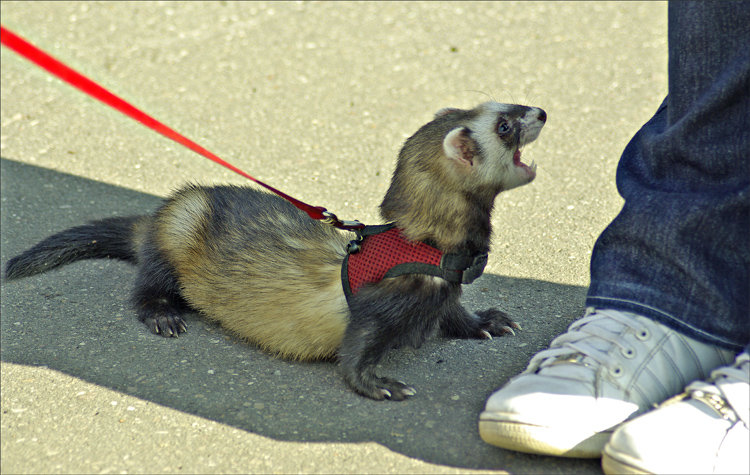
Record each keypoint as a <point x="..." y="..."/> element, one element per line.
<point x="542" y="115"/>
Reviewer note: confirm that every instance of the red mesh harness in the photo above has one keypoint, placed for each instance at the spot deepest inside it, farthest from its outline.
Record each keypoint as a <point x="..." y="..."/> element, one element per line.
<point x="382" y="252"/>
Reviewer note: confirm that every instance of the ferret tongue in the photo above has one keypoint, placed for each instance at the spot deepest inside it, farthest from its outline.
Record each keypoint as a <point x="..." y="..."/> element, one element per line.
<point x="517" y="158"/>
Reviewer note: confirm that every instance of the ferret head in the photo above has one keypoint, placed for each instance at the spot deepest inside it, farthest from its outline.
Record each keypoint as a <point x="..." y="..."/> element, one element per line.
<point x="482" y="147"/>
<point x="462" y="159"/>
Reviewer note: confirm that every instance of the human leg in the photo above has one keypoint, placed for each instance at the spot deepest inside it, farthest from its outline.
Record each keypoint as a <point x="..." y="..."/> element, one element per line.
<point x="679" y="251"/>
<point x="670" y="275"/>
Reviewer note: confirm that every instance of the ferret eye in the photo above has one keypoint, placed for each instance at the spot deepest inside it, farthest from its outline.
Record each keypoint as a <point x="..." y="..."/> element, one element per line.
<point x="503" y="128"/>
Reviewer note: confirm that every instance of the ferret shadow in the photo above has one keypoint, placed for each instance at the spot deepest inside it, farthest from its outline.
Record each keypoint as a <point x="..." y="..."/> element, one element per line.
<point x="78" y="320"/>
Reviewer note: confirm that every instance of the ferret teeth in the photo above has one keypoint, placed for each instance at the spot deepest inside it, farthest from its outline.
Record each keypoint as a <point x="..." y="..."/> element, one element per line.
<point x="533" y="165"/>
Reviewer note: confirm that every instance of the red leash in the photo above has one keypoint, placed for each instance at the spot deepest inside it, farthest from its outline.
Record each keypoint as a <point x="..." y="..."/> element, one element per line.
<point x="45" y="61"/>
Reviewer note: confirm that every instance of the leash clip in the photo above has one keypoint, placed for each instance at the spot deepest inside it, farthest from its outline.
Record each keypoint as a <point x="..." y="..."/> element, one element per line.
<point x="333" y="220"/>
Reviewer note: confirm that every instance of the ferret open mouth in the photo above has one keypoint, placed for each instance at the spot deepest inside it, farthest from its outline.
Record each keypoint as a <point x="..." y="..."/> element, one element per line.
<point x="531" y="169"/>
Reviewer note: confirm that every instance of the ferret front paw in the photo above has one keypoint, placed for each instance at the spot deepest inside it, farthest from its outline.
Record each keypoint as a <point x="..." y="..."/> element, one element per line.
<point x="393" y="390"/>
<point x="381" y="388"/>
<point x="495" y="322"/>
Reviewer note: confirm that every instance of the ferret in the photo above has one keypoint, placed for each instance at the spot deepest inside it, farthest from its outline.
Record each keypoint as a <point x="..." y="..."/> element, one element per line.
<point x="273" y="276"/>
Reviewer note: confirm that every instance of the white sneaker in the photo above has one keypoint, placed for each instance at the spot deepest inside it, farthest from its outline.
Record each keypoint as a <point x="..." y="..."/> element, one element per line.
<point x="610" y="366"/>
<point x="703" y="430"/>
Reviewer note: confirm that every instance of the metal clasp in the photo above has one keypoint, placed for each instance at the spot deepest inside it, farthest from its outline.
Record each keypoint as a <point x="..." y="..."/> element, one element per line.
<point x="333" y="220"/>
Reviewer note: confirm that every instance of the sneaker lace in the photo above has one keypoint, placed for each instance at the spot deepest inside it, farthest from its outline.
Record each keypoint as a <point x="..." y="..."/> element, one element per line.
<point x="717" y="392"/>
<point x="588" y="341"/>
<point x="739" y="371"/>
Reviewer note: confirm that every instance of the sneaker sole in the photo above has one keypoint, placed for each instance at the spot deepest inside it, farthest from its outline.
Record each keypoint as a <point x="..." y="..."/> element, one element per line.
<point x="612" y="466"/>
<point x="540" y="440"/>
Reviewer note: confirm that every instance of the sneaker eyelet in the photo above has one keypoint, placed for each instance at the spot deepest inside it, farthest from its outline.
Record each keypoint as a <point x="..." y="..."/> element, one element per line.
<point x="643" y="334"/>
<point x="616" y="371"/>
<point x="628" y="353"/>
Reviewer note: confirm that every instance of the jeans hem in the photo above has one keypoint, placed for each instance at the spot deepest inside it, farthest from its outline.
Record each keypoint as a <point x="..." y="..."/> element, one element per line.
<point x="662" y="317"/>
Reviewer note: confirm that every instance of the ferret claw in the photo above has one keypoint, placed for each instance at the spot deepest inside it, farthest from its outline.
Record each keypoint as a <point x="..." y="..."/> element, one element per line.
<point x="485" y="334"/>
<point x="507" y="329"/>
<point x="391" y="389"/>
<point x="166" y="326"/>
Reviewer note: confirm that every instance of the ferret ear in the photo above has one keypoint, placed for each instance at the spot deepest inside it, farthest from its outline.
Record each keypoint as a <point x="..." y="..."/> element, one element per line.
<point x="445" y="111"/>
<point x="459" y="147"/>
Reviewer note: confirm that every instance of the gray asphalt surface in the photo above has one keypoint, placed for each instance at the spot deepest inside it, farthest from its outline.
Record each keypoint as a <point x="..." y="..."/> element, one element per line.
<point x="316" y="99"/>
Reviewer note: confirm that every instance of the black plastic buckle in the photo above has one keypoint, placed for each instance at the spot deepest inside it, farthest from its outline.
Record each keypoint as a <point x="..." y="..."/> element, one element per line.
<point x="462" y="268"/>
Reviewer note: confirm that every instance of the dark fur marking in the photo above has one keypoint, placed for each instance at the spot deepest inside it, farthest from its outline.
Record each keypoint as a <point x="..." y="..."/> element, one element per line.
<point x="106" y="238"/>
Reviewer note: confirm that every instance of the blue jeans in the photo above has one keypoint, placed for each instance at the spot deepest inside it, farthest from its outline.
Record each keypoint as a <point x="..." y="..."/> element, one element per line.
<point x="679" y="251"/>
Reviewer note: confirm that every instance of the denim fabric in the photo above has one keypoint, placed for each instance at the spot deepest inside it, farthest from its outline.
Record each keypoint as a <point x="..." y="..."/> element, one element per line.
<point x="679" y="250"/>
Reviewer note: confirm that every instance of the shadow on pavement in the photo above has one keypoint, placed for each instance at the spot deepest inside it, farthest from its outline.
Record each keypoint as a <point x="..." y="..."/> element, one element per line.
<point x="77" y="320"/>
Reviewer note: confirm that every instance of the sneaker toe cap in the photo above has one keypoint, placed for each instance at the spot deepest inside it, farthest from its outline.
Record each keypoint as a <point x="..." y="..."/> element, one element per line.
<point x="684" y="437"/>
<point x="549" y="402"/>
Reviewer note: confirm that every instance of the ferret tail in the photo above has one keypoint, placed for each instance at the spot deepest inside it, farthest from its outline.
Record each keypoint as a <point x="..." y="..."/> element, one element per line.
<point x="112" y="238"/>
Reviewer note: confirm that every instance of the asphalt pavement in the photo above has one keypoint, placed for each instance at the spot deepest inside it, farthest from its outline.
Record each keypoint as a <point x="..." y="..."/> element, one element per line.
<point x="316" y="99"/>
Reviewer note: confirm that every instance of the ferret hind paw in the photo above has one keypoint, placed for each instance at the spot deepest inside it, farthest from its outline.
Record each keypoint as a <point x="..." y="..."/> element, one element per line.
<point x="166" y="325"/>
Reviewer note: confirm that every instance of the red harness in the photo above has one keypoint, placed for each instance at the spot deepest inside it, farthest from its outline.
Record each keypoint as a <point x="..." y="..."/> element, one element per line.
<point x="382" y="252"/>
